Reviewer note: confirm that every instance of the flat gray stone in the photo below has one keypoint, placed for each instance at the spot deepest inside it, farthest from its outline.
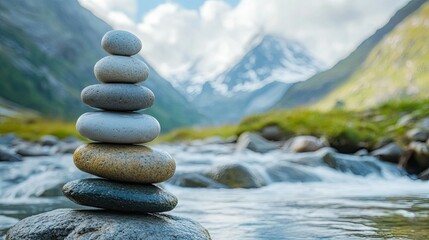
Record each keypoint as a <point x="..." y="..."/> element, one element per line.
<point x="118" y="42"/>
<point x="120" y="69"/>
<point x="130" y="197"/>
<point x="117" y="127"/>
<point x="100" y="224"/>
<point x="118" y="97"/>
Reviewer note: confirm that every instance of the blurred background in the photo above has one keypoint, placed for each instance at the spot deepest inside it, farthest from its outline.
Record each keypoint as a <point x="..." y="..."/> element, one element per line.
<point x="290" y="97"/>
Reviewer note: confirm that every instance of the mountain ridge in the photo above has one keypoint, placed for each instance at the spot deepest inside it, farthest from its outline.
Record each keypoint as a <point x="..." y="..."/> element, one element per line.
<point x="320" y="85"/>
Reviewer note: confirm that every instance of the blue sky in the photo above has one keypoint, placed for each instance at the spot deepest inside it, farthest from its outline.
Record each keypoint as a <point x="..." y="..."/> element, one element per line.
<point x="145" y="6"/>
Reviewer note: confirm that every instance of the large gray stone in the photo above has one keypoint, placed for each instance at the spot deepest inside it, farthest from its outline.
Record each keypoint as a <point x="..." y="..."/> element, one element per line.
<point x="102" y="193"/>
<point x="99" y="224"/>
<point x="120" y="69"/>
<point x="117" y="127"/>
<point x="120" y="42"/>
<point x="236" y="175"/>
<point x="417" y="134"/>
<point x="391" y="152"/>
<point x="303" y="144"/>
<point x="8" y="155"/>
<point x="118" y="97"/>
<point x="254" y="142"/>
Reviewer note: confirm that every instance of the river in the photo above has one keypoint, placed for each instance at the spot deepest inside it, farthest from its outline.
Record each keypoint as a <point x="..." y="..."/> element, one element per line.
<point x="384" y="204"/>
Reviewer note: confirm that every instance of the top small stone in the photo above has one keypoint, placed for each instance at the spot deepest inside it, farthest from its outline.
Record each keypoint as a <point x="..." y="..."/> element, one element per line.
<point x="118" y="42"/>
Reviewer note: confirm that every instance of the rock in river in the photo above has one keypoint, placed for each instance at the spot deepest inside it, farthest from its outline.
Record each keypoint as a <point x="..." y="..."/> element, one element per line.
<point x="130" y="197"/>
<point x="97" y="224"/>
<point x="118" y="97"/>
<point x="117" y="127"/>
<point x="126" y="163"/>
<point x="255" y="143"/>
<point x="120" y="42"/>
<point x="120" y="69"/>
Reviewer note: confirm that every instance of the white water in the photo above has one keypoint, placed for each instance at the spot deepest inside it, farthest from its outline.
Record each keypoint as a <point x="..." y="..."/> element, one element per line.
<point x="340" y="206"/>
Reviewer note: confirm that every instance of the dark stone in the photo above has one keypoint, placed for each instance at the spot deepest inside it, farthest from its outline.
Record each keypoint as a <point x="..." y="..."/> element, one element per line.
<point x="424" y="175"/>
<point x="255" y="143"/>
<point x="421" y="155"/>
<point x="48" y="140"/>
<point x="102" y="193"/>
<point x="8" y="155"/>
<point x="286" y="173"/>
<point x="118" y="97"/>
<point x="100" y="224"/>
<point x="194" y="180"/>
<point x="236" y="175"/>
<point x="391" y="152"/>
<point x="272" y="133"/>
<point x="419" y="135"/>
<point x="8" y="139"/>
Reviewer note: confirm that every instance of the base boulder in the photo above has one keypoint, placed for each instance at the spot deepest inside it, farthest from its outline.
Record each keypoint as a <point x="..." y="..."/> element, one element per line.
<point x="100" y="224"/>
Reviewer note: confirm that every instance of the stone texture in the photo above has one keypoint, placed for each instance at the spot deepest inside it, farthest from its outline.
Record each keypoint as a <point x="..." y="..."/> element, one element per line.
<point x="391" y="152"/>
<point x="131" y="197"/>
<point x="126" y="163"/>
<point x="97" y="224"/>
<point x="236" y="175"/>
<point x="254" y="142"/>
<point x="118" y="97"/>
<point x="303" y="144"/>
<point x="120" y="69"/>
<point x="117" y="127"/>
<point x="7" y="154"/>
<point x="120" y="42"/>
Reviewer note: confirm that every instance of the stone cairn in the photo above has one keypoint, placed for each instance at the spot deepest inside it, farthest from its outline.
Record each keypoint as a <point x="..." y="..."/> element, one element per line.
<point x="128" y="170"/>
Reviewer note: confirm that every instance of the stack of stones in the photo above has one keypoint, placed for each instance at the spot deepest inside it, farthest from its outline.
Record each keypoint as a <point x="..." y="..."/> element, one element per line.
<point x="127" y="170"/>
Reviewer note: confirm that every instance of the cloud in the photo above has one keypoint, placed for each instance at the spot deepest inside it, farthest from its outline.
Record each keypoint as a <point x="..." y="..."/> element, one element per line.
<point x="206" y="41"/>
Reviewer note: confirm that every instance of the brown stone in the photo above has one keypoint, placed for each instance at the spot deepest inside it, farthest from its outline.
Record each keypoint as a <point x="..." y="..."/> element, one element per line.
<point x="125" y="163"/>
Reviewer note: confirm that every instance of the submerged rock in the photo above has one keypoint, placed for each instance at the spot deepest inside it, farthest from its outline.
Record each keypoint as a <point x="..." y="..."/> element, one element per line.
<point x="48" y="140"/>
<point x="194" y="180"/>
<point x="98" y="224"/>
<point x="255" y="143"/>
<point x="236" y="175"/>
<point x="303" y="144"/>
<point x="391" y="152"/>
<point x="285" y="173"/>
<point x="8" y="155"/>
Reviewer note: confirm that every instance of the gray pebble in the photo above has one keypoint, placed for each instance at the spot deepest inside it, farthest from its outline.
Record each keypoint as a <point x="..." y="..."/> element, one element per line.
<point x="118" y="97"/>
<point x="118" y="42"/>
<point x="117" y="127"/>
<point x="120" y="69"/>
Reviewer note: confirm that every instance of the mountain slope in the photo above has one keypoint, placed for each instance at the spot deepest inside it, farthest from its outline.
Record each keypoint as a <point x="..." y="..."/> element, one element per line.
<point x="321" y="84"/>
<point x="257" y="81"/>
<point x="398" y="67"/>
<point x="47" y="52"/>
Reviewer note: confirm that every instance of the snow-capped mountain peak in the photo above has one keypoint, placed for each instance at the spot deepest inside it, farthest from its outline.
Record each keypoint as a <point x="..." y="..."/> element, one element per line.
<point x="270" y="59"/>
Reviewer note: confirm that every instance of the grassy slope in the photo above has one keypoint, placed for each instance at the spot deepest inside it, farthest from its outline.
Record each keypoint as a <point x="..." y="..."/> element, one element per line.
<point x="318" y="86"/>
<point x="398" y="67"/>
<point x="365" y="128"/>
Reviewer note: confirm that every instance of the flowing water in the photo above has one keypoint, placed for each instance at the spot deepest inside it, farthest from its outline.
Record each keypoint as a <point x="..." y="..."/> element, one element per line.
<point x="379" y="204"/>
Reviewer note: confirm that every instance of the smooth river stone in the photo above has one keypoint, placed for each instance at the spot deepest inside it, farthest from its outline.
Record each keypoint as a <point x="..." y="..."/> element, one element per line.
<point x="118" y="127"/>
<point x="120" y="69"/>
<point x="125" y="163"/>
<point x="118" y="42"/>
<point x="131" y="197"/>
<point x="118" y="97"/>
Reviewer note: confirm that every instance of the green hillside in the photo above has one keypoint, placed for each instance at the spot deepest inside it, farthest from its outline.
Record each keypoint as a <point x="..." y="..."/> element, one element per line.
<point x="398" y="67"/>
<point x="47" y="52"/>
<point x="322" y="84"/>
